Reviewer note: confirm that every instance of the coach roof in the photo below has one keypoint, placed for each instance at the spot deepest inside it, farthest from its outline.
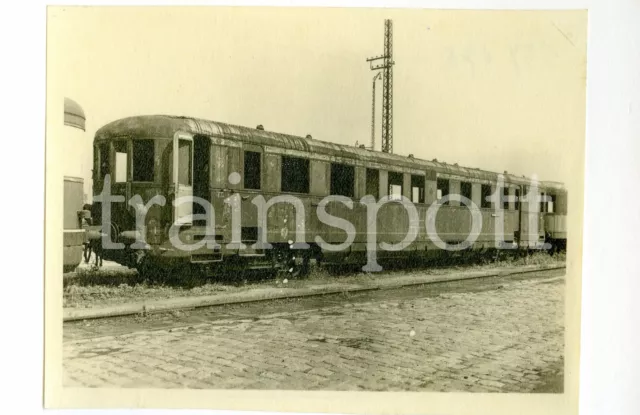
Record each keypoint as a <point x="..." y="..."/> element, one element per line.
<point x="167" y="125"/>
<point x="73" y="114"/>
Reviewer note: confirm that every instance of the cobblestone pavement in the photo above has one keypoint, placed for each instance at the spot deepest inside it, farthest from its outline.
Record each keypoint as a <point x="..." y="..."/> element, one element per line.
<point x="508" y="338"/>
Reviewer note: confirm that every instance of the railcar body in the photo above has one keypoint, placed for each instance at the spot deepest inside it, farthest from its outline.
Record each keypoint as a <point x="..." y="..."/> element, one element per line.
<point x="176" y="156"/>
<point x="74" y="235"/>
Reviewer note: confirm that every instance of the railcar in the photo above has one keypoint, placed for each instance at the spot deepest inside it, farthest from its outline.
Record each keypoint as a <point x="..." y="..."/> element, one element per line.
<point x="74" y="236"/>
<point x="174" y="156"/>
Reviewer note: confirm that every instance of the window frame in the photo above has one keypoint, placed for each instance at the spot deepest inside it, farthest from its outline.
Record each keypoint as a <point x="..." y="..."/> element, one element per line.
<point x="484" y="203"/>
<point x="462" y="186"/>
<point x="244" y="167"/>
<point x="422" y="192"/>
<point x="114" y="146"/>
<point x="371" y="172"/>
<point x="440" y="191"/>
<point x="543" y="202"/>
<point x="551" y="202"/>
<point x="104" y="150"/>
<point x="153" y="158"/>
<point x="352" y="169"/>
<point x="307" y="162"/>
<point x="190" y="169"/>
<point x="390" y="185"/>
<point x="505" y="197"/>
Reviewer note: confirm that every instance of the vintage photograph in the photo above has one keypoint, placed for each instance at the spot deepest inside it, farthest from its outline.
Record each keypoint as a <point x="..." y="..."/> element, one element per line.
<point x="310" y="199"/>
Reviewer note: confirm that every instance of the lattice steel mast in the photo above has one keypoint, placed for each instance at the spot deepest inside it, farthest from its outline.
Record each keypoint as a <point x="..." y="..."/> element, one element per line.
<point x="387" y="86"/>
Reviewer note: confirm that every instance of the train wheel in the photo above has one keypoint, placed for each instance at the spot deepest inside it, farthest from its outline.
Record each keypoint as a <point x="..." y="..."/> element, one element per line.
<point x="290" y="263"/>
<point x="299" y="264"/>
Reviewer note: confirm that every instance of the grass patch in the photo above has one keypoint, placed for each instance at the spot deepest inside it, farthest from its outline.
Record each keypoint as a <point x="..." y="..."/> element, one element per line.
<point x="91" y="287"/>
<point x="83" y="296"/>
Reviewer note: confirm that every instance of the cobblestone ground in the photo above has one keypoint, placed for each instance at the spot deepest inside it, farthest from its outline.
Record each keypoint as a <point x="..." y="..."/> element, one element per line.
<point x="506" y="339"/>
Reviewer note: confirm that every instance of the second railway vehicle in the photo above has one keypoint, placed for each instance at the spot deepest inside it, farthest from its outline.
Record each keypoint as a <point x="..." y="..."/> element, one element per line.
<point x="175" y="156"/>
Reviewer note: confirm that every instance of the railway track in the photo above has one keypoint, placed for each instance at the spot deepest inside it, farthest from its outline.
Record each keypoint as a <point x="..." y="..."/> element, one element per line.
<point x="380" y="283"/>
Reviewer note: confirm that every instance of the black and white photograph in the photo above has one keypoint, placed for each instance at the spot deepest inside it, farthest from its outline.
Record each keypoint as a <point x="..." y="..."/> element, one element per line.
<point x="330" y="200"/>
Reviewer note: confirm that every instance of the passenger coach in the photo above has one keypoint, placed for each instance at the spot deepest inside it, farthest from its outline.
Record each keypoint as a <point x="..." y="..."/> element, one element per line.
<point x="178" y="156"/>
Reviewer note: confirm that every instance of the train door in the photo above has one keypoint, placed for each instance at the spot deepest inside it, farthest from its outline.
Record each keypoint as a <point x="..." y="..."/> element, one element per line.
<point x="183" y="177"/>
<point x="202" y="176"/>
<point x="120" y="178"/>
<point x="518" y="206"/>
<point x="506" y="219"/>
<point x="530" y="218"/>
<point x="120" y="161"/>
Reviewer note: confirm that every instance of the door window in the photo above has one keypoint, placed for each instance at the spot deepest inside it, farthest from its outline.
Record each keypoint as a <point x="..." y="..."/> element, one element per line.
<point x="103" y="166"/>
<point x="184" y="162"/>
<point x="122" y="159"/>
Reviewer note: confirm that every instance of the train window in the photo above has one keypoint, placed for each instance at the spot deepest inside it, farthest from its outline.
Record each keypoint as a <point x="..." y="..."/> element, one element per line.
<point x="417" y="189"/>
<point x="551" y="201"/>
<point x="505" y="198"/>
<point x="517" y="199"/>
<point x="465" y="190"/>
<point x="442" y="186"/>
<point x="103" y="160"/>
<point x="252" y="167"/>
<point x="485" y="196"/>
<point x="395" y="185"/>
<point x="143" y="160"/>
<point x="184" y="162"/>
<point x="342" y="179"/>
<point x="121" y="173"/>
<point x="543" y="202"/>
<point x="295" y="175"/>
<point x="373" y="183"/>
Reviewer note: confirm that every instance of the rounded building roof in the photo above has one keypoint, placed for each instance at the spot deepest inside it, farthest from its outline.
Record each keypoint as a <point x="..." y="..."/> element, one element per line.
<point x="73" y="114"/>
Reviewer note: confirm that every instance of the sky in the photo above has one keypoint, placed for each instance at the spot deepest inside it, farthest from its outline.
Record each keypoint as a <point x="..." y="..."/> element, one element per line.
<point x="497" y="90"/>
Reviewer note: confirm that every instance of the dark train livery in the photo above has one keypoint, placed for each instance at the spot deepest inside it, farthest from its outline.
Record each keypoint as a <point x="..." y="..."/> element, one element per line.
<point x="178" y="156"/>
